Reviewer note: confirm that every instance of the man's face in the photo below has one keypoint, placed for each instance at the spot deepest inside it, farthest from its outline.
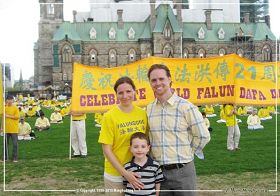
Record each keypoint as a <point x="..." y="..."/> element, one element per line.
<point x="160" y="82"/>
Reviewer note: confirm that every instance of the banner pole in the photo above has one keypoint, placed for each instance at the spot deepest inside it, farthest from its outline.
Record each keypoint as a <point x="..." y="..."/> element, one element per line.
<point x="70" y="137"/>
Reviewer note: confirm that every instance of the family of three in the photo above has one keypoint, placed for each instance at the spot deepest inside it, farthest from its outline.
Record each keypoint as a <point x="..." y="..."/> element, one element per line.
<point x="161" y="156"/>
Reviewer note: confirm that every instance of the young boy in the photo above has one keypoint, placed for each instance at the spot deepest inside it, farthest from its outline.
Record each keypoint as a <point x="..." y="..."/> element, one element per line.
<point x="145" y="166"/>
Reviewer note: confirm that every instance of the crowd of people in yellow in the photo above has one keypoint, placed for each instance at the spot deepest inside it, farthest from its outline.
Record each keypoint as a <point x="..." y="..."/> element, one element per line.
<point x="20" y="108"/>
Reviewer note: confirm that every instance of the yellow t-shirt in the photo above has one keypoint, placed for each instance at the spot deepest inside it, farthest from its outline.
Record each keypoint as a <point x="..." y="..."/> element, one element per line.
<point x="81" y="117"/>
<point x="11" y="125"/>
<point x="116" y="130"/>
<point x="230" y="119"/>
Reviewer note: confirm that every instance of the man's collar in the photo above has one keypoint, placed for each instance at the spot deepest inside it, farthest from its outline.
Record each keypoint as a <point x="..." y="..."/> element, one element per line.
<point x="170" y="101"/>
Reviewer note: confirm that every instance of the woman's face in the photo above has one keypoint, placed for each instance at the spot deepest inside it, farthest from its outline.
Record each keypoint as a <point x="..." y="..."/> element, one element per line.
<point x="125" y="94"/>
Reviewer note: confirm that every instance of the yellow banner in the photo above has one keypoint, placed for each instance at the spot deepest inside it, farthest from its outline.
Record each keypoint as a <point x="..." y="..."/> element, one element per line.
<point x="1" y="91"/>
<point x="227" y="79"/>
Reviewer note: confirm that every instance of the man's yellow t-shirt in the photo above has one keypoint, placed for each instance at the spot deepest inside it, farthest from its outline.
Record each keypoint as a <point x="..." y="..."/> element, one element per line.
<point x="230" y="118"/>
<point x="116" y="130"/>
<point x="11" y="125"/>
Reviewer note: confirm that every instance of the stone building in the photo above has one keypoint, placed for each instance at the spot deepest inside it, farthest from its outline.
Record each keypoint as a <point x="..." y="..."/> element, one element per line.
<point x="163" y="29"/>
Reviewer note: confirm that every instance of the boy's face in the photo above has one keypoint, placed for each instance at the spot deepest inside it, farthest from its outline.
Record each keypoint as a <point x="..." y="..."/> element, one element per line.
<point x="139" y="147"/>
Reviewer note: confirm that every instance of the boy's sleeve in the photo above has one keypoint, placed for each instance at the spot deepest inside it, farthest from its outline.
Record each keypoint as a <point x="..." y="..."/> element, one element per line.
<point x="159" y="175"/>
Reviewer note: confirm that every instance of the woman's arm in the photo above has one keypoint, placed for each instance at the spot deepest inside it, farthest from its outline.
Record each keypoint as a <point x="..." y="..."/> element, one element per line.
<point x="131" y="177"/>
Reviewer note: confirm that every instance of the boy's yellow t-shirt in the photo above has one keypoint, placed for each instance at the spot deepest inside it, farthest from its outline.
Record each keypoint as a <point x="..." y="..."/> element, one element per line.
<point x="116" y="130"/>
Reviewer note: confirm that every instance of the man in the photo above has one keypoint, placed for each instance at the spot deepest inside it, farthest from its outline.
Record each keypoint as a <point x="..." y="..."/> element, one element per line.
<point x="42" y="123"/>
<point x="24" y="130"/>
<point x="233" y="128"/>
<point x="78" y="134"/>
<point x="11" y="127"/>
<point x="177" y="131"/>
<point x="56" y="116"/>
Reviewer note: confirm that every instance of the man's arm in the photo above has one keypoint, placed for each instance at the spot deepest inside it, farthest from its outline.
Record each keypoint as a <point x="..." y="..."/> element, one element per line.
<point x="200" y="133"/>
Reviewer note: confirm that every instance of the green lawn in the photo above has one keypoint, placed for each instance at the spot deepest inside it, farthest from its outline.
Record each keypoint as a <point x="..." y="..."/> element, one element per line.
<point x="44" y="163"/>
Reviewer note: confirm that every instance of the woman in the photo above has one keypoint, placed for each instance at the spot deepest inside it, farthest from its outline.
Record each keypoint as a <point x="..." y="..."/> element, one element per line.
<point x="118" y="125"/>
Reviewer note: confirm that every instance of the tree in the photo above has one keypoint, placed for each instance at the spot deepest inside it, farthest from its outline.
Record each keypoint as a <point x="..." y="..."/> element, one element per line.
<point x="258" y="9"/>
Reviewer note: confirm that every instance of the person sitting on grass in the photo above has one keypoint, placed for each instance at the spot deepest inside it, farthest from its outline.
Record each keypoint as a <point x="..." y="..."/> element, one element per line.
<point x="263" y="113"/>
<point x="42" y="123"/>
<point x="30" y="112"/>
<point x="98" y="119"/>
<point x="24" y="130"/>
<point x="56" y="116"/>
<point x="209" y="111"/>
<point x="254" y="121"/>
<point x="241" y="111"/>
<point x="206" y="121"/>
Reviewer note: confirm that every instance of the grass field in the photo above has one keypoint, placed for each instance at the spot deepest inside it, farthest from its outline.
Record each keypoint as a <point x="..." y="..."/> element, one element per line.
<point x="44" y="163"/>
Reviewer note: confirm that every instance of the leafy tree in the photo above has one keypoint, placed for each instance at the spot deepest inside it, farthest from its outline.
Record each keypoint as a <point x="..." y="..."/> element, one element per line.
<point x="258" y="9"/>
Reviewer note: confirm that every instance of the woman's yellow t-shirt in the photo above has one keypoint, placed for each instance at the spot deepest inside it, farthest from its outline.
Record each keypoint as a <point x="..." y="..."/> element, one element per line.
<point x="116" y="130"/>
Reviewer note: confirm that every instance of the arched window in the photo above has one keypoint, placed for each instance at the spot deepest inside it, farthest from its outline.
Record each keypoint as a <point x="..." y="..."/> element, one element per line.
<point x="167" y="51"/>
<point x="148" y="52"/>
<point x="201" y="33"/>
<point x="92" y="33"/>
<point x="66" y="54"/>
<point x="201" y="53"/>
<point x="240" y="52"/>
<point x="112" y="56"/>
<point x="222" y="51"/>
<point x="112" y="33"/>
<point x="50" y="9"/>
<point x="266" y="53"/>
<point x="131" y="33"/>
<point x="93" y="56"/>
<point x="167" y="31"/>
<point x="221" y="33"/>
<point x="131" y="55"/>
<point x="185" y="53"/>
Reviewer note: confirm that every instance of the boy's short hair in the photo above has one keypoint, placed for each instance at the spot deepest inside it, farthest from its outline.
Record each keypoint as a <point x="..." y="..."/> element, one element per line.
<point x="139" y="135"/>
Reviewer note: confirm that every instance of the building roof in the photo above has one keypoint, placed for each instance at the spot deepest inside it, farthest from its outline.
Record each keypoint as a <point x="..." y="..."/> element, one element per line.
<point x="80" y="31"/>
<point x="257" y="31"/>
<point x="164" y="13"/>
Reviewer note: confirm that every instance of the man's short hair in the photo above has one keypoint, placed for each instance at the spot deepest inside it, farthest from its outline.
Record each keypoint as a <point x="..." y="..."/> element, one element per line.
<point x="159" y="66"/>
<point x="9" y="97"/>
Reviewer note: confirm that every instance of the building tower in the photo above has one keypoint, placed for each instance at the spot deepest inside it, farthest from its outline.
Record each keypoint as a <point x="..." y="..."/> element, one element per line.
<point x="51" y="16"/>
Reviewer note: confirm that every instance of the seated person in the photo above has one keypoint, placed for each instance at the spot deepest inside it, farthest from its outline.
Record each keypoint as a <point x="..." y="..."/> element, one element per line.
<point x="249" y="109"/>
<point x="263" y="113"/>
<point x="56" y="116"/>
<point x="254" y="121"/>
<point x="24" y="130"/>
<point x="206" y="121"/>
<point x="222" y="115"/>
<point x="21" y="112"/>
<point x="241" y="111"/>
<point x="209" y="111"/>
<point x="42" y="123"/>
<point x="30" y="112"/>
<point x="271" y="109"/>
<point x="98" y="119"/>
